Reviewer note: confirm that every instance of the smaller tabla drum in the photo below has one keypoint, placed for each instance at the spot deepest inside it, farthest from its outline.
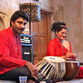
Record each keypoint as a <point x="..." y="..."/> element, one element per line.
<point x="72" y="69"/>
<point x="51" y="68"/>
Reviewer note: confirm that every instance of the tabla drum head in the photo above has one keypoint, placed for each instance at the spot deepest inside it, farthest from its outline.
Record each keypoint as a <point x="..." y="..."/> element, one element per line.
<point x="51" y="67"/>
<point x="54" y="59"/>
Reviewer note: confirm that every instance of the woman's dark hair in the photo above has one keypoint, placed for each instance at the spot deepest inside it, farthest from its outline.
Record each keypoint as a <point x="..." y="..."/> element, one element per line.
<point x="18" y="14"/>
<point x="58" y="26"/>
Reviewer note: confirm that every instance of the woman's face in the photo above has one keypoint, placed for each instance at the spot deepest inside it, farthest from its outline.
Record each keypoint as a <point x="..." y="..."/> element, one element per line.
<point x="62" y="34"/>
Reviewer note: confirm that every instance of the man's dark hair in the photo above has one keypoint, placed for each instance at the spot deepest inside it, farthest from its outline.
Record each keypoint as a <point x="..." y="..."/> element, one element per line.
<point x="18" y="14"/>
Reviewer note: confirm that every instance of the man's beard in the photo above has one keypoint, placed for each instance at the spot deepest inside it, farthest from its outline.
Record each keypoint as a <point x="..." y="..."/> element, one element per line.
<point x="20" y="31"/>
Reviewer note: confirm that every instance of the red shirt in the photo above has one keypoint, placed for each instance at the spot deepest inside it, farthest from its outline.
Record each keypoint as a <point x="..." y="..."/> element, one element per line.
<point x="10" y="51"/>
<point x="55" y="48"/>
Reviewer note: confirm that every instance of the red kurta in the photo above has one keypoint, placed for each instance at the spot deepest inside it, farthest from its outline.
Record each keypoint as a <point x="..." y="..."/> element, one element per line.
<point x="55" y="48"/>
<point x="10" y="51"/>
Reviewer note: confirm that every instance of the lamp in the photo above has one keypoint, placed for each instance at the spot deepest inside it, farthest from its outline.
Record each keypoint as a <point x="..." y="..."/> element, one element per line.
<point x="33" y="10"/>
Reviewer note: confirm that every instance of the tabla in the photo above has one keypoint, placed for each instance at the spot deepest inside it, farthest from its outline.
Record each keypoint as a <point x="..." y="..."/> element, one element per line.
<point x="72" y="69"/>
<point x="51" y="67"/>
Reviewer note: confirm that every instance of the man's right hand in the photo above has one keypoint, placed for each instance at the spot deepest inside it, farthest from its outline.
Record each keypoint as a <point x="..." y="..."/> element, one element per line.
<point x="33" y="69"/>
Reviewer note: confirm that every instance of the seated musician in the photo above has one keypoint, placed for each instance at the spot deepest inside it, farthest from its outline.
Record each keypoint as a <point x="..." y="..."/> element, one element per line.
<point x="59" y="46"/>
<point x="11" y="63"/>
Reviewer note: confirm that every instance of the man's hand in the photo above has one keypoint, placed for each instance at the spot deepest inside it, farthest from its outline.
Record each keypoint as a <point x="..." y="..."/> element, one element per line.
<point x="32" y="69"/>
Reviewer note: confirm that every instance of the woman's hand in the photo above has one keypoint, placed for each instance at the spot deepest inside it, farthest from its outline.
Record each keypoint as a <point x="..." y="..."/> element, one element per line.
<point x="70" y="55"/>
<point x="33" y="69"/>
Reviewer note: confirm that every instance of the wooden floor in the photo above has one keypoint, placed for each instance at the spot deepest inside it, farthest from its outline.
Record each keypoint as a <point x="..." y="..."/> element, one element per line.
<point x="72" y="81"/>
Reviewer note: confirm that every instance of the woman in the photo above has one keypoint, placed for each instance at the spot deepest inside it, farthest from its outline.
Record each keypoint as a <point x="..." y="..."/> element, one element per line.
<point x="59" y="46"/>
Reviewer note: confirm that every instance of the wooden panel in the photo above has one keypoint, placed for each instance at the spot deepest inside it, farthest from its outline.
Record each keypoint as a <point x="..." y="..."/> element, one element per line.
<point x="40" y="46"/>
<point x="43" y="46"/>
<point x="35" y="28"/>
<point x="40" y="28"/>
<point x="40" y="31"/>
<point x="36" y="46"/>
<point x="43" y="25"/>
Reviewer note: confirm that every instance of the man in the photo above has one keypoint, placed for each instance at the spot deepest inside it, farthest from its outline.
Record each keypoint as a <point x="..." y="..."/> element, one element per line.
<point x="11" y="63"/>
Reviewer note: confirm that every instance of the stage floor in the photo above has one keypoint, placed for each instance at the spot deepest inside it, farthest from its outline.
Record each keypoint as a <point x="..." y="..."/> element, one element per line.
<point x="72" y="81"/>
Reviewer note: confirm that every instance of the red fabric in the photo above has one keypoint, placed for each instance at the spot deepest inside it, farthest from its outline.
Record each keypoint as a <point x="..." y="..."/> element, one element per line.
<point x="56" y="49"/>
<point x="10" y="51"/>
<point x="80" y="75"/>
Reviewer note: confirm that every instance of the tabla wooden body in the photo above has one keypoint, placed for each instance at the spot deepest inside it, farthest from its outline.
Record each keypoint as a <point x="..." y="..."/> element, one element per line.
<point x="72" y="69"/>
<point x="51" y="68"/>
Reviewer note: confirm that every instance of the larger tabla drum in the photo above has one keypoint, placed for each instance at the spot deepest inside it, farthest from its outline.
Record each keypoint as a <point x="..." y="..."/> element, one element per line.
<point x="72" y="69"/>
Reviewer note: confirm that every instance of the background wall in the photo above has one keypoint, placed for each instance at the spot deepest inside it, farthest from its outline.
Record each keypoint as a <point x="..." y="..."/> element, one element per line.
<point x="7" y="7"/>
<point x="71" y="12"/>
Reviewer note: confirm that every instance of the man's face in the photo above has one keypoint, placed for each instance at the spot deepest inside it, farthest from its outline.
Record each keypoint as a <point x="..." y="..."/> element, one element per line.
<point x="19" y="25"/>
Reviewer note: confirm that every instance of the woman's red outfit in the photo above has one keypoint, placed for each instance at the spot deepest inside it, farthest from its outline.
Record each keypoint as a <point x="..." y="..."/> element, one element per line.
<point x="55" y="48"/>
